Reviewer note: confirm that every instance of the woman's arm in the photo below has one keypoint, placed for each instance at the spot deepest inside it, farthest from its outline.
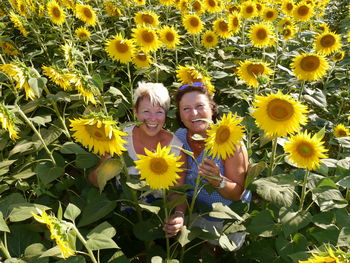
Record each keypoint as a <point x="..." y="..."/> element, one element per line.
<point x="231" y="184"/>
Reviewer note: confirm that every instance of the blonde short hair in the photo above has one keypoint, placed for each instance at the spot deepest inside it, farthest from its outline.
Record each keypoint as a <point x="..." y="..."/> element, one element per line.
<point x="156" y="92"/>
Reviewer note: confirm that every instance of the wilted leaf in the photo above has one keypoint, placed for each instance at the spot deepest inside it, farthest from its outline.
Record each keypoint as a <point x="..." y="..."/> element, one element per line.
<point x="108" y="170"/>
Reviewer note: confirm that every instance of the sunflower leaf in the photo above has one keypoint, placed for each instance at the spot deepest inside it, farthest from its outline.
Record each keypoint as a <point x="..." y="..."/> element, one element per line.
<point x="107" y="170"/>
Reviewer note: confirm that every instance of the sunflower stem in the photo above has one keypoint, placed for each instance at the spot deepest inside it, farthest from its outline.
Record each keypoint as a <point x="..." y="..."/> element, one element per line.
<point x="301" y="91"/>
<point x="272" y="158"/>
<point x="82" y="239"/>
<point x="166" y="219"/>
<point x="36" y="132"/>
<point x="303" y="190"/>
<point x="3" y="247"/>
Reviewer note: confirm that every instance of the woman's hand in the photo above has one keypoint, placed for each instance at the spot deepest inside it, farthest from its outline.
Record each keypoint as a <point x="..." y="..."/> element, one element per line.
<point x="210" y="171"/>
<point x="174" y="224"/>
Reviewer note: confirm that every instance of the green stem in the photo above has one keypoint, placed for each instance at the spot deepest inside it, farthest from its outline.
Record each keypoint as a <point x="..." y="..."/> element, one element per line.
<point x="3" y="248"/>
<point x="301" y="90"/>
<point x="165" y="219"/>
<point x="37" y="133"/>
<point x="82" y="239"/>
<point x="272" y="159"/>
<point x="303" y="190"/>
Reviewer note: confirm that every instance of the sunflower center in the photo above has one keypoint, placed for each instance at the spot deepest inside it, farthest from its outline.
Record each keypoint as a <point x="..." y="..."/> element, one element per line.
<point x="258" y="7"/>
<point x="305" y="149"/>
<point x="97" y="133"/>
<point x="158" y="165"/>
<point x="303" y="10"/>
<point x="289" y="6"/>
<point x="209" y="39"/>
<point x="280" y="110"/>
<point x="249" y="9"/>
<point x="342" y="133"/>
<point x="269" y="14"/>
<point x="222" y="134"/>
<point x="141" y="57"/>
<point x="310" y="63"/>
<point x="170" y="36"/>
<point x="87" y="13"/>
<point x="255" y="69"/>
<point x="147" y="36"/>
<point x="287" y="32"/>
<point x="194" y="22"/>
<point x="148" y="19"/>
<point x="82" y="35"/>
<point x="212" y="3"/>
<point x="196" y="6"/>
<point x="223" y="26"/>
<point x="261" y="33"/>
<point x="235" y="22"/>
<point x="56" y="12"/>
<point x="327" y="41"/>
<point x="122" y="47"/>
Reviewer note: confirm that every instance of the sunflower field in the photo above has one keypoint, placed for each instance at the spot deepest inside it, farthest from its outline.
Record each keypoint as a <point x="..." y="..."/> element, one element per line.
<point x="67" y="73"/>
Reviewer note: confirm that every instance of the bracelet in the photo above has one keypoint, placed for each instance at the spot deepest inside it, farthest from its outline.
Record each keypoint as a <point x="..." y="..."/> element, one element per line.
<point x="179" y="212"/>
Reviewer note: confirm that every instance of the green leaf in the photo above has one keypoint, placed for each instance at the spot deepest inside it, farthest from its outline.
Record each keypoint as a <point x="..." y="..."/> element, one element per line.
<point x="118" y="257"/>
<point x="73" y="259"/>
<point x="344" y="141"/>
<point x="148" y="230"/>
<point x="104" y="228"/>
<point x="344" y="163"/>
<point x="100" y="241"/>
<point x="293" y="221"/>
<point x="86" y="160"/>
<point x="98" y="82"/>
<point x="183" y="237"/>
<point x="151" y="208"/>
<point x="345" y="182"/>
<point x="41" y="120"/>
<point x="254" y="170"/>
<point x="316" y="97"/>
<point x="5" y="166"/>
<point x="224" y="212"/>
<point x="180" y="199"/>
<point x="329" y="235"/>
<point x="21" y="147"/>
<point x="22" y="211"/>
<point x="8" y="201"/>
<point x="24" y="174"/>
<point x="36" y="85"/>
<point x="344" y="237"/>
<point x="108" y="170"/>
<point x="72" y="212"/>
<point x="320" y="134"/>
<point x="219" y="74"/>
<point x="47" y="172"/>
<point x="72" y="148"/>
<point x="116" y="92"/>
<point x="34" y="250"/>
<point x="262" y="225"/>
<point x="3" y="225"/>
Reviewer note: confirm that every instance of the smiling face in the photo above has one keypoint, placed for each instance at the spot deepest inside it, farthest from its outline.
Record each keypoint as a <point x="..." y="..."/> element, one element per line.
<point x="152" y="116"/>
<point x="194" y="106"/>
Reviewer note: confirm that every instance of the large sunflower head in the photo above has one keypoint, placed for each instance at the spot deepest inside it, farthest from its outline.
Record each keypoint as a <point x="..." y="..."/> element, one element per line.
<point x="302" y="12"/>
<point x="8" y="122"/>
<point x="86" y="14"/>
<point x="57" y="76"/>
<point x="99" y="134"/>
<point x="160" y="168"/>
<point x="146" y="38"/>
<point x="192" y="24"/>
<point x="197" y="6"/>
<point x="82" y="33"/>
<point x="249" y="10"/>
<point x="222" y="28"/>
<point x="287" y="7"/>
<point x="249" y="71"/>
<point x="279" y="114"/>
<point x="262" y="35"/>
<point x="305" y="151"/>
<point x="142" y="60"/>
<point x="234" y="22"/>
<point x="327" y="43"/>
<point x="212" y="6"/>
<point x="341" y="131"/>
<point x="269" y="14"/>
<point x="56" y="13"/>
<point x="169" y="37"/>
<point x="120" y="49"/>
<point x="224" y="136"/>
<point x="209" y="39"/>
<point x="188" y="74"/>
<point x="146" y="18"/>
<point x="309" y="66"/>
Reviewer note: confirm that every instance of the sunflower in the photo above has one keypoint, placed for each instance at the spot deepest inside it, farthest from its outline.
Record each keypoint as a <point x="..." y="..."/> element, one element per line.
<point x="279" y="114"/>
<point x="169" y="37"/>
<point x="99" y="134"/>
<point x="212" y="6"/>
<point x="182" y="6"/>
<point x="323" y="27"/>
<point x="262" y="35"/>
<point x="249" y="71"/>
<point x="146" y="18"/>
<point x="327" y="43"/>
<point x="82" y="33"/>
<point x="142" y="60"/>
<point x="285" y="22"/>
<point x="166" y="2"/>
<point x="192" y="24"/>
<point x="305" y="151"/>
<point x="339" y="56"/>
<point x="348" y="36"/>
<point x="146" y="38"/>
<point x="160" y="168"/>
<point x="249" y="10"/>
<point x="57" y="77"/>
<point x="15" y="19"/>
<point x="302" y="12"/>
<point x="209" y="39"/>
<point x="140" y="2"/>
<point x="111" y="9"/>
<point x="222" y="28"/>
<point x="8" y="48"/>
<point x="197" y="6"/>
<point x="269" y="14"/>
<point x="341" y="131"/>
<point x="288" y="32"/>
<point x="188" y="74"/>
<point x="309" y="66"/>
<point x="7" y="120"/>
<point x="84" y="87"/>
<point x="120" y="49"/>
<point x="56" y="13"/>
<point x="234" y="22"/>
<point x="224" y="136"/>
<point x="86" y="14"/>
<point x="287" y="7"/>
<point x="18" y="73"/>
